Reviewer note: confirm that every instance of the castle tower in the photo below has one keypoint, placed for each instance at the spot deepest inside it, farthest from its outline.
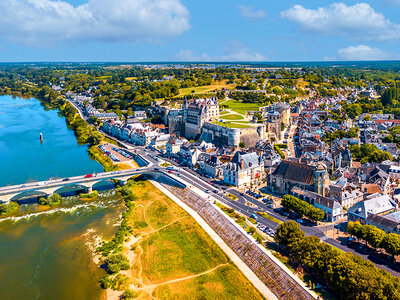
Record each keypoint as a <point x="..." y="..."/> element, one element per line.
<point x="320" y="178"/>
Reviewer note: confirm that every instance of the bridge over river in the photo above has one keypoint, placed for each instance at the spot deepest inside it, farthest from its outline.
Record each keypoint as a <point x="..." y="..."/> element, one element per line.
<point x="82" y="183"/>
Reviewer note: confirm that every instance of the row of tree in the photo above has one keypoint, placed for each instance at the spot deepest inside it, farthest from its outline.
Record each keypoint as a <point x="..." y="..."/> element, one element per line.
<point x="376" y="237"/>
<point x="347" y="275"/>
<point x="302" y="208"/>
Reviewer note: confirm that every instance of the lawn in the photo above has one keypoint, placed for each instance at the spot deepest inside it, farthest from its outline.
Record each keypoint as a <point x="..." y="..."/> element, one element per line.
<point x="230" y="124"/>
<point x="205" y="89"/>
<point x="232" y="117"/>
<point x="172" y="246"/>
<point x="221" y="284"/>
<point x="240" y="107"/>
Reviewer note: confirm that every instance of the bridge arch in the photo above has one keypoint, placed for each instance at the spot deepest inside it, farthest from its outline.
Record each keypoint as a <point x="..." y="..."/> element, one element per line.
<point x="27" y="197"/>
<point x="71" y="189"/>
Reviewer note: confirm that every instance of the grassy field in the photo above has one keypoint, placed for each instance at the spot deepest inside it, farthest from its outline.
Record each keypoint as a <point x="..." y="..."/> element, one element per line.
<point x="240" y="107"/>
<point x="175" y="258"/>
<point x="205" y="89"/>
<point x="232" y="117"/>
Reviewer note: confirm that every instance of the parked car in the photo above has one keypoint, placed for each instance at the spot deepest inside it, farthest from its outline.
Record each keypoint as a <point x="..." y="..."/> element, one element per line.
<point x="300" y="221"/>
<point x="207" y="191"/>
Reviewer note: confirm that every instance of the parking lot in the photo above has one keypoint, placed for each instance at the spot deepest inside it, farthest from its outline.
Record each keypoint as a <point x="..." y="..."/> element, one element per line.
<point x="116" y="154"/>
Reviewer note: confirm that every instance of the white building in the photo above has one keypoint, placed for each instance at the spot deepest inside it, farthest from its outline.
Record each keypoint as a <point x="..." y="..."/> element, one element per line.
<point x="244" y="169"/>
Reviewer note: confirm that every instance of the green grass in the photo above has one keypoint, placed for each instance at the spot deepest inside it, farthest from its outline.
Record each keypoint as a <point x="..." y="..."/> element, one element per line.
<point x="232" y="117"/>
<point x="240" y="107"/>
<point x="223" y="283"/>
<point x="230" y="125"/>
<point x="267" y="216"/>
<point x="233" y="197"/>
<point x="221" y="113"/>
<point x="105" y="161"/>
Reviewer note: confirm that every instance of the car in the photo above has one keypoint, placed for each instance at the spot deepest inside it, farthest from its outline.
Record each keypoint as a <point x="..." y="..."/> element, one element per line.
<point x="300" y="221"/>
<point x="88" y="176"/>
<point x="241" y="194"/>
<point x="215" y="191"/>
<point x="266" y="229"/>
<point x="270" y="206"/>
<point x="254" y="216"/>
<point x="179" y="175"/>
<point x="66" y="179"/>
<point x="169" y="171"/>
<point x="156" y="169"/>
<point x="207" y="191"/>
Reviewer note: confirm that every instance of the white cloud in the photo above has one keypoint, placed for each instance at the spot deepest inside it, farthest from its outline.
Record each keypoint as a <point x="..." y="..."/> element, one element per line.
<point x="361" y="52"/>
<point x="233" y="51"/>
<point x="358" y="22"/>
<point x="39" y="22"/>
<point x="251" y="12"/>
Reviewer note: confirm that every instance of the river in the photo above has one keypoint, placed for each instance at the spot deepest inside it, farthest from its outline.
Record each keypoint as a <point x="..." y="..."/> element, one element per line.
<point x="24" y="158"/>
<point x="44" y="254"/>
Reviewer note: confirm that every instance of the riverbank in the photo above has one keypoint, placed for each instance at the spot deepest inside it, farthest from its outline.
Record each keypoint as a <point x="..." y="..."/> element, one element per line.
<point x="169" y="253"/>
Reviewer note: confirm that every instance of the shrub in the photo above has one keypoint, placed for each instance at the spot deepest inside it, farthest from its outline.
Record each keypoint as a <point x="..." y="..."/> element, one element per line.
<point x="9" y="208"/>
<point x="128" y="294"/>
<point x="116" y="263"/>
<point x="52" y="200"/>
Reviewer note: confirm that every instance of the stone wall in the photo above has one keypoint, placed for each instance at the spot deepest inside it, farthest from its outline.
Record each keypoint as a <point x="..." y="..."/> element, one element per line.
<point x="219" y="135"/>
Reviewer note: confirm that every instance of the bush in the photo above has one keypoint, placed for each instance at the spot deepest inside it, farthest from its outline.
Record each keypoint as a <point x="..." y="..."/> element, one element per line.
<point x="120" y="282"/>
<point x="106" y="282"/>
<point x="279" y="151"/>
<point x="9" y="208"/>
<point x="52" y="200"/>
<point x="116" y="263"/>
<point x="128" y="294"/>
<point x="91" y="195"/>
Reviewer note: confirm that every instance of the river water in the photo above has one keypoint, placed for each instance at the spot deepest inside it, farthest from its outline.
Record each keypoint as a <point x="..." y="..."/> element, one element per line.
<point x="24" y="158"/>
<point x="45" y="254"/>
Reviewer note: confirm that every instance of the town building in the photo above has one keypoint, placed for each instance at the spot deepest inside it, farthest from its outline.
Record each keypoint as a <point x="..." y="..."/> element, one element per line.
<point x="244" y="170"/>
<point x="291" y="174"/>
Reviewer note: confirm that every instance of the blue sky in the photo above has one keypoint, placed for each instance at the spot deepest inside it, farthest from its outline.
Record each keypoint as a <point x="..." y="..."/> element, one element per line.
<point x="193" y="30"/>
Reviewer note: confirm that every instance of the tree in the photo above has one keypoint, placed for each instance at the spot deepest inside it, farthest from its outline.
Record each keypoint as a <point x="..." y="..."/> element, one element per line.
<point x="117" y="262"/>
<point x="288" y="233"/>
<point x="373" y="235"/>
<point x="242" y="145"/>
<point x="316" y="214"/>
<point x="95" y="138"/>
<point x="355" y="229"/>
<point x="391" y="243"/>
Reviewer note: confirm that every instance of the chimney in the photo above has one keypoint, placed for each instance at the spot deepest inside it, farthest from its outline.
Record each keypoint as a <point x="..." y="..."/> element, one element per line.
<point x="241" y="164"/>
